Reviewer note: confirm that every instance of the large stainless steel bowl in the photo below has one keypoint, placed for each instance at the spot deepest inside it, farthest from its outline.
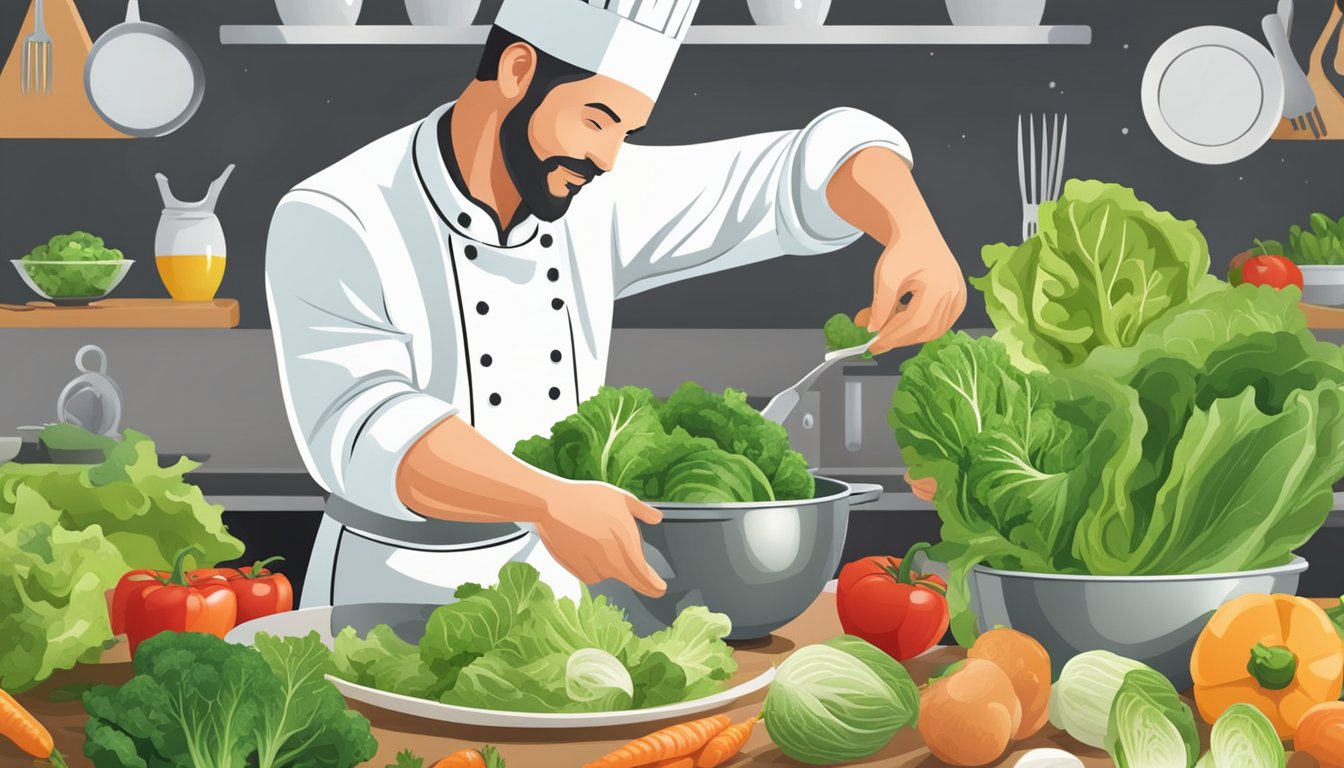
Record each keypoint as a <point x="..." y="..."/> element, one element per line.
<point x="762" y="564"/>
<point x="1152" y="619"/>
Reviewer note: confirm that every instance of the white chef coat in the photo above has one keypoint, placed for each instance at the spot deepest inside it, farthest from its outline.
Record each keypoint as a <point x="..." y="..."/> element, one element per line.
<point x="395" y="304"/>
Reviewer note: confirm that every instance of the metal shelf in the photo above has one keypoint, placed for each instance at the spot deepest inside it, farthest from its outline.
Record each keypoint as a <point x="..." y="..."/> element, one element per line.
<point x="734" y="34"/>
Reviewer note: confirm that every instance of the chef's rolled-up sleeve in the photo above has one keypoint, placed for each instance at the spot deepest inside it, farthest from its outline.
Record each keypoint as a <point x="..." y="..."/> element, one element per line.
<point x="346" y="370"/>
<point x="684" y="211"/>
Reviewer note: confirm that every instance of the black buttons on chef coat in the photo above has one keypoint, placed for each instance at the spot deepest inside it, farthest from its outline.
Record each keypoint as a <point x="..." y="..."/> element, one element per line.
<point x="546" y="241"/>
<point x="486" y="360"/>
<point x="557" y="303"/>
<point x="555" y="393"/>
<point x="463" y="220"/>
<point x="482" y="307"/>
<point x="495" y="399"/>
<point x="555" y="355"/>
<point x="470" y="250"/>
<point x="552" y="274"/>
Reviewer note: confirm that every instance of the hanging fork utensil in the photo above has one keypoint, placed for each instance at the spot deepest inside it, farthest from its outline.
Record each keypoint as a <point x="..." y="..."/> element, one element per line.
<point x="1040" y="183"/>
<point x="36" y="59"/>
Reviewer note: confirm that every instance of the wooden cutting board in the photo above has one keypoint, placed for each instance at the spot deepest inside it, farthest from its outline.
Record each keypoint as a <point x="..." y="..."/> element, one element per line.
<point x="123" y="313"/>
<point x="66" y="113"/>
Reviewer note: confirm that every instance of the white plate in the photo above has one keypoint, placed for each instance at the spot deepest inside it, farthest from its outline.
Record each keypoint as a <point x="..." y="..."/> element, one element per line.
<point x="301" y="622"/>
<point x="1212" y="95"/>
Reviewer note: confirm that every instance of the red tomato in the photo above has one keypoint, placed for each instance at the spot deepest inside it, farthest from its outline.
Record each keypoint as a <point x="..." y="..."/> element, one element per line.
<point x="146" y="603"/>
<point x="1274" y="271"/>
<point x="881" y="600"/>
<point x="260" y="592"/>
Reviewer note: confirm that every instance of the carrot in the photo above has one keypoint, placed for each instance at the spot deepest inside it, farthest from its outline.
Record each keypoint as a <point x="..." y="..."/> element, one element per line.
<point x="669" y="743"/>
<point x="726" y="744"/>
<point x="24" y="730"/>
<point x="467" y="758"/>
<point x="676" y="762"/>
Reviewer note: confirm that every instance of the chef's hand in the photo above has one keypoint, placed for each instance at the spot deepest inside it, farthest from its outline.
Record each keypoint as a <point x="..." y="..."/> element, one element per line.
<point x="589" y="528"/>
<point x="919" y="265"/>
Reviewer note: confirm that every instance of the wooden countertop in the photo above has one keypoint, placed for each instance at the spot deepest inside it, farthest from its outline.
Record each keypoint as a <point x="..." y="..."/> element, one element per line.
<point x="433" y="740"/>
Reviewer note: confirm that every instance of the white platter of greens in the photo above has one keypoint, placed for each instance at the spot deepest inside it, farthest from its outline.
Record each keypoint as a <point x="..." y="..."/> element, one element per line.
<point x="1132" y="414"/>
<point x="512" y="655"/>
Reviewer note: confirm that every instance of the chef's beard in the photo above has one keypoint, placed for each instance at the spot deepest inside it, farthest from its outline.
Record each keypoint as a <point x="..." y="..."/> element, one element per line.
<point x="529" y="172"/>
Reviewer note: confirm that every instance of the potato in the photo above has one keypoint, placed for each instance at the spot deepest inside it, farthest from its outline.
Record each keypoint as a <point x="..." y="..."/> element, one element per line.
<point x="1028" y="667"/>
<point x="969" y="717"/>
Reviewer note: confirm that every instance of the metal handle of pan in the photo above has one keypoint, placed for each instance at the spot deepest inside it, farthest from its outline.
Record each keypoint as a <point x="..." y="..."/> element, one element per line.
<point x="864" y="493"/>
<point x="132" y="11"/>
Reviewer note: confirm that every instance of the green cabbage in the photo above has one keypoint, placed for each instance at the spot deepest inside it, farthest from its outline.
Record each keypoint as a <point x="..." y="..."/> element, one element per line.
<point x="1242" y="735"/>
<point x="1102" y="267"/>
<point x="1149" y="725"/>
<point x="84" y="270"/>
<point x="838" y="701"/>
<point x="593" y="675"/>
<point x="1081" y="699"/>
<point x="695" y="447"/>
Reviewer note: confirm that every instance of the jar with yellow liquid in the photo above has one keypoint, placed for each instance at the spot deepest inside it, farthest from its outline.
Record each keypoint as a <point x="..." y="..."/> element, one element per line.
<point x="189" y="245"/>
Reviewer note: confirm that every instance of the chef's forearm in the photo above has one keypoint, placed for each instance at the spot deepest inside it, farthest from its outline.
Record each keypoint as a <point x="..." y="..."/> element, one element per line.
<point x="875" y="191"/>
<point x="453" y="473"/>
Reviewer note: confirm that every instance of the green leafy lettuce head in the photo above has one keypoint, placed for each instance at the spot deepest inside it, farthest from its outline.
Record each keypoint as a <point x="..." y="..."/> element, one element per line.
<point x="1101" y="268"/>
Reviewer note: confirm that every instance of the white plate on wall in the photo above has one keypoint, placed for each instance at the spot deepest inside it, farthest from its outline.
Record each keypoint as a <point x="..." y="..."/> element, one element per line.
<point x="303" y="621"/>
<point x="1212" y="95"/>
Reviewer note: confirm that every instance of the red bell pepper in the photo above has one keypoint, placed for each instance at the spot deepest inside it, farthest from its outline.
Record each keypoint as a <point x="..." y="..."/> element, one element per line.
<point x="146" y="603"/>
<point x="261" y="592"/>
<point x="881" y="600"/>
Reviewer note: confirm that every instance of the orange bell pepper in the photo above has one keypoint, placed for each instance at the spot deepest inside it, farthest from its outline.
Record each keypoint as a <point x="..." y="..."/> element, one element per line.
<point x="1278" y="653"/>
<point x="1321" y="734"/>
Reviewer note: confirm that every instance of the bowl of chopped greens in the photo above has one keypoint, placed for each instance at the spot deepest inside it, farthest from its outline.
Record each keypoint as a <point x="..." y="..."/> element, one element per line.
<point x="748" y="531"/>
<point x="1136" y="433"/>
<point x="73" y="269"/>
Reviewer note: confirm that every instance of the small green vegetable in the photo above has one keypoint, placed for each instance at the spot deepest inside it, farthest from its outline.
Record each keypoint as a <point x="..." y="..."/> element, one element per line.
<point x="196" y="700"/>
<point x="1081" y="700"/>
<point x="839" y="701"/>
<point x="843" y="333"/>
<point x="83" y="271"/>
<point x="1149" y="726"/>
<point x="1243" y="736"/>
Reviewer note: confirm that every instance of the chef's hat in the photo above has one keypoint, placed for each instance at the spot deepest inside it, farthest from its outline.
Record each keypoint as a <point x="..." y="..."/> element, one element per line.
<point x="633" y="41"/>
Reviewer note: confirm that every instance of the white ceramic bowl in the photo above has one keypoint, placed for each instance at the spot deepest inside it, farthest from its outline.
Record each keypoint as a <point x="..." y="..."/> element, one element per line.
<point x="1019" y="13"/>
<point x="342" y="13"/>
<point x="442" y="13"/>
<point x="9" y="448"/>
<point x="1152" y="619"/>
<point x="789" y="12"/>
<point x="1323" y="284"/>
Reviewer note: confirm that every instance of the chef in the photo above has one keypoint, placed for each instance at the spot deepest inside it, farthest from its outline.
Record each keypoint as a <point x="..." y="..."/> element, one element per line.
<point x="447" y="291"/>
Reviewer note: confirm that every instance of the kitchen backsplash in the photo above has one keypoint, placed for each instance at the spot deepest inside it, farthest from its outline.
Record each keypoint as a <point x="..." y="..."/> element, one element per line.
<point x="283" y="112"/>
<point x="218" y="392"/>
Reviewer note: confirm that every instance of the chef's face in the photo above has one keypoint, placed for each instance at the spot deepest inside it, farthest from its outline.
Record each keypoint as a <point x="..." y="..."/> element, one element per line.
<point x="557" y="138"/>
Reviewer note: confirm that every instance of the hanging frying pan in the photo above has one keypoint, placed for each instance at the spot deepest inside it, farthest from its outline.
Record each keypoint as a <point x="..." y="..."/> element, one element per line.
<point x="143" y="79"/>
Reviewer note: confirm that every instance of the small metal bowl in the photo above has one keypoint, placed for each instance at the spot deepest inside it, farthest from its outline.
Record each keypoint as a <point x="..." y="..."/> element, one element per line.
<point x="762" y="564"/>
<point x="1152" y="619"/>
<point x="112" y="274"/>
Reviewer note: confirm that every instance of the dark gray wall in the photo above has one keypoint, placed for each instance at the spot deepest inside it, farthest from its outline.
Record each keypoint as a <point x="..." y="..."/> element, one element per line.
<point x="282" y="113"/>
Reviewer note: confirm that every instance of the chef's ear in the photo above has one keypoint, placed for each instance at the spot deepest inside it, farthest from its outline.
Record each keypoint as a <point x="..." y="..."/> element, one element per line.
<point x="517" y="67"/>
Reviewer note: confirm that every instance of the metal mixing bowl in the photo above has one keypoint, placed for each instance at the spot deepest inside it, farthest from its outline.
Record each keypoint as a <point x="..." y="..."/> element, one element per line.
<point x="1152" y="619"/>
<point x="762" y="564"/>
